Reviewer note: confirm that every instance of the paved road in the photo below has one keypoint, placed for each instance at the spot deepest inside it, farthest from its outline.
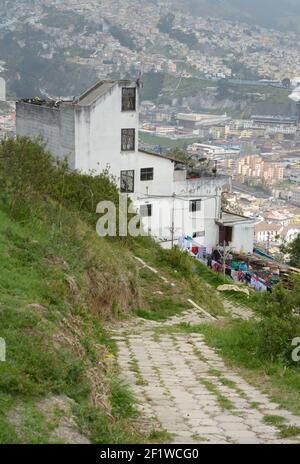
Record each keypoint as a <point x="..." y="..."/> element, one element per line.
<point x="186" y="389"/>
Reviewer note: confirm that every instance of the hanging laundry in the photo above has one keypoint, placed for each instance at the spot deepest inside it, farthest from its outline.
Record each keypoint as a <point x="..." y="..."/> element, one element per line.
<point x="195" y="249"/>
<point x="216" y="255"/>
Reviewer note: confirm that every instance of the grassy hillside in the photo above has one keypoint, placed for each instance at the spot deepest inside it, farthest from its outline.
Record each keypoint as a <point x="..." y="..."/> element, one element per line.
<point x="62" y="288"/>
<point x="217" y="96"/>
<point x="60" y="284"/>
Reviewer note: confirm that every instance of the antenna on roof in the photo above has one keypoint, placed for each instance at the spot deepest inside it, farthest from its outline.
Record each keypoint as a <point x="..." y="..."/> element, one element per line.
<point x="138" y="79"/>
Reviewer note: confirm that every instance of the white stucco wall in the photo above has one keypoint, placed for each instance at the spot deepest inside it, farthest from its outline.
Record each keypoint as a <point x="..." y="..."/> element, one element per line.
<point x="2" y="89"/>
<point x="243" y="238"/>
<point x="185" y="221"/>
<point x="54" y="125"/>
<point x="98" y="133"/>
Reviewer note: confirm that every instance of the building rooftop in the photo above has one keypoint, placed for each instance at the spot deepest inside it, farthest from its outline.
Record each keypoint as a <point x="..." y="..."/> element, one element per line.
<point x="230" y="219"/>
<point x="265" y="227"/>
<point x="148" y="152"/>
<point x="86" y="99"/>
<point x="98" y="90"/>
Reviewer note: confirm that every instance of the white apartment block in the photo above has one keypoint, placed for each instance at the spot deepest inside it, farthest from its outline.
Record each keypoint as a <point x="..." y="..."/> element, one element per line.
<point x="98" y="131"/>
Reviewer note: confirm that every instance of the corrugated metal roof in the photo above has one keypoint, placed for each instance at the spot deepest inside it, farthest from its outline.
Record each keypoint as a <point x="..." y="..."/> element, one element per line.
<point x="97" y="91"/>
<point x="229" y="219"/>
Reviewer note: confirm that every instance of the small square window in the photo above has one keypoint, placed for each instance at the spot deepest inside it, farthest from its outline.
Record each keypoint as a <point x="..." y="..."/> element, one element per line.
<point x="128" y="139"/>
<point x="195" y="205"/>
<point x="128" y="99"/>
<point x="147" y="174"/>
<point x="127" y="181"/>
<point x="146" y="210"/>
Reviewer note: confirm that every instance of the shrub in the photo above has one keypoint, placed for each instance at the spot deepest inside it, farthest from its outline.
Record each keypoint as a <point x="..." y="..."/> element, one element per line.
<point x="280" y="322"/>
<point x="177" y="260"/>
<point x="30" y="175"/>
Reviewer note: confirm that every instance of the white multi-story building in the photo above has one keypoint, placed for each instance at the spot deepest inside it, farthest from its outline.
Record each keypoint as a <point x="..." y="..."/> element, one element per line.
<point x="98" y="131"/>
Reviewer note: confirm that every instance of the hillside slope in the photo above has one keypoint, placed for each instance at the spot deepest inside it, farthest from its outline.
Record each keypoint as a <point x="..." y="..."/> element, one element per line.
<point x="61" y="287"/>
<point x="277" y="14"/>
<point x="59" y="282"/>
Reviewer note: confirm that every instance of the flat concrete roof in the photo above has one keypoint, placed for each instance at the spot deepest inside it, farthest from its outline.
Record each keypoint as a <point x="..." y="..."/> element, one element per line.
<point x="229" y="219"/>
<point x="98" y="90"/>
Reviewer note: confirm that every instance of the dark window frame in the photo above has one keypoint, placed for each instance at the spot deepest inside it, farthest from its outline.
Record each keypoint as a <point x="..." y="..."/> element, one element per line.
<point x="130" y="99"/>
<point x="126" y="133"/>
<point x="225" y="235"/>
<point x="147" y="174"/>
<point x="193" y="206"/>
<point x="126" y="189"/>
<point x="149" y="210"/>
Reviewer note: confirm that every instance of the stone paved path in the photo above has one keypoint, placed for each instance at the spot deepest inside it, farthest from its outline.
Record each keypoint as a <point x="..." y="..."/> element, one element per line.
<point x="185" y="387"/>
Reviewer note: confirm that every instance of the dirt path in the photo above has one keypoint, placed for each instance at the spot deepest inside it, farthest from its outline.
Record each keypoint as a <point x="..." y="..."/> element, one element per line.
<point x="185" y="387"/>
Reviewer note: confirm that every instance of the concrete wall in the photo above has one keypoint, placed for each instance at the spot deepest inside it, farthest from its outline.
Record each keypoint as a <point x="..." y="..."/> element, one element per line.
<point x="98" y="133"/>
<point x="185" y="222"/>
<point x="163" y="169"/>
<point x="243" y="238"/>
<point x="54" y="125"/>
<point x="2" y="89"/>
<point x="98" y="145"/>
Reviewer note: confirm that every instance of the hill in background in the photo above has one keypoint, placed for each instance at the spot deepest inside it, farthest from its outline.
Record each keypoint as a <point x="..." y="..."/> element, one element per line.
<point x="276" y="14"/>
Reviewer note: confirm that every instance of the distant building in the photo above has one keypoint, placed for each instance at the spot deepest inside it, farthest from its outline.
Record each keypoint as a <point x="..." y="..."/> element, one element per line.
<point x="193" y="121"/>
<point x="294" y="175"/>
<point x="274" y="120"/>
<point x="265" y="232"/>
<point x="2" y="89"/>
<point x="255" y="167"/>
<point x="295" y="196"/>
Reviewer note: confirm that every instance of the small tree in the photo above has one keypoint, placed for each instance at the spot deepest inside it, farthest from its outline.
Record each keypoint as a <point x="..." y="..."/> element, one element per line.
<point x="286" y="83"/>
<point x="293" y="250"/>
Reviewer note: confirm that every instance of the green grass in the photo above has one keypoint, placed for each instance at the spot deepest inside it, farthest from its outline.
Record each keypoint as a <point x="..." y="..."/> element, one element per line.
<point x="236" y="342"/>
<point x="160" y="436"/>
<point x="224" y="402"/>
<point x="285" y="431"/>
<point x="180" y="269"/>
<point x="166" y="142"/>
<point x="215" y="280"/>
<point x="35" y="299"/>
<point x="289" y="431"/>
<point x="274" y="420"/>
<point x="161" y="309"/>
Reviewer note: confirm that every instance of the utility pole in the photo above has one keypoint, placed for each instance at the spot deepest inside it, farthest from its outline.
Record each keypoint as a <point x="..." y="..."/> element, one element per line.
<point x="172" y="223"/>
<point x="268" y="243"/>
<point x="226" y="254"/>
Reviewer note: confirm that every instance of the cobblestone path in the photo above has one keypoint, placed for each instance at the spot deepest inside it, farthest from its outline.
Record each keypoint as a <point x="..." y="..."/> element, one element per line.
<point x="185" y="387"/>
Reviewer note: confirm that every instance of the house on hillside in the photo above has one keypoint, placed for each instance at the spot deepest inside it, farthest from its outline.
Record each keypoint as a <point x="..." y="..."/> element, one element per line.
<point x="99" y="131"/>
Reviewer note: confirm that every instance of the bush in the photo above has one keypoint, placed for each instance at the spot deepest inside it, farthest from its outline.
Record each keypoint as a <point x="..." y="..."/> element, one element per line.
<point x="280" y="323"/>
<point x="30" y="175"/>
<point x="177" y="260"/>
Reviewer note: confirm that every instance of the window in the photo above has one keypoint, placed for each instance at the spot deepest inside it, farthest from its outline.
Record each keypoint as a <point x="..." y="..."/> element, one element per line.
<point x="147" y="174"/>
<point x="128" y="140"/>
<point x="199" y="234"/>
<point x="127" y="181"/>
<point x="225" y="235"/>
<point x="195" y="205"/>
<point x="128" y="99"/>
<point x="146" y="210"/>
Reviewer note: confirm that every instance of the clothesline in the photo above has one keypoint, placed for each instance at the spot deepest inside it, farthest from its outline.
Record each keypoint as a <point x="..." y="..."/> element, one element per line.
<point x="237" y="271"/>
